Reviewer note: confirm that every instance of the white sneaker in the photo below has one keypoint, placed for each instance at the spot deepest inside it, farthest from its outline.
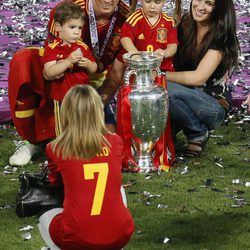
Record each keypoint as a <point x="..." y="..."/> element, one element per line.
<point x="23" y="154"/>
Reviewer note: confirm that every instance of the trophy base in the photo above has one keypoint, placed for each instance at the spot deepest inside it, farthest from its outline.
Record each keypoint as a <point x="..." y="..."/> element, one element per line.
<point x="146" y="165"/>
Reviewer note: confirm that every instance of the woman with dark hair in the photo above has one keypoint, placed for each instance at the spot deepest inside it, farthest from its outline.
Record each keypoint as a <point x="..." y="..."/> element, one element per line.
<point x="208" y="51"/>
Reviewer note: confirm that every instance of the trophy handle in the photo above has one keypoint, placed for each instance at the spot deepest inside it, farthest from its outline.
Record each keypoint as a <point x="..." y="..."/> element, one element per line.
<point x="127" y="74"/>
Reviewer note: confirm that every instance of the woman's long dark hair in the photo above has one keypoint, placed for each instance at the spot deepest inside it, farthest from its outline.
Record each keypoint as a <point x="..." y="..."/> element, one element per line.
<point x="222" y="32"/>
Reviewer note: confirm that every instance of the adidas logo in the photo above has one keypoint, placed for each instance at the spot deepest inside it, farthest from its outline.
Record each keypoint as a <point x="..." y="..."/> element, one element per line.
<point x="141" y="36"/>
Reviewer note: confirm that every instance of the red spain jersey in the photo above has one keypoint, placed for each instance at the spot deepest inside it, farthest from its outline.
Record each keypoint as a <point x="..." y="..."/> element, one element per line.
<point x="148" y="37"/>
<point x="56" y="51"/>
<point x="94" y="215"/>
<point x="113" y="46"/>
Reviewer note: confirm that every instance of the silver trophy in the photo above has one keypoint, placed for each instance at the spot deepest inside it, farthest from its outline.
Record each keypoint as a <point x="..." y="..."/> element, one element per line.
<point x="149" y="105"/>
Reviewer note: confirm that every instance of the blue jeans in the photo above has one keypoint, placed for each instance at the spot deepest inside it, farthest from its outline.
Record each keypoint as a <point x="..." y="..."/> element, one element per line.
<point x="193" y="111"/>
<point x="109" y="114"/>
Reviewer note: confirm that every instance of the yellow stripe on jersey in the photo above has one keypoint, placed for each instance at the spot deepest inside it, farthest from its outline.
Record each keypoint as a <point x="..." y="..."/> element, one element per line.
<point x="132" y="15"/>
<point x="54" y="44"/>
<point x="25" y="113"/>
<point x="167" y="16"/>
<point x="52" y="28"/>
<point x="40" y="50"/>
<point x="84" y="45"/>
<point x="134" y="18"/>
<point x="134" y="21"/>
<point x="169" y="19"/>
<point x="58" y="128"/>
<point x="81" y="3"/>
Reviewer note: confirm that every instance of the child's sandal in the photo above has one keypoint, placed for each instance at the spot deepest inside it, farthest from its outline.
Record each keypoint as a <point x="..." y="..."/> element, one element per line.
<point x="194" y="148"/>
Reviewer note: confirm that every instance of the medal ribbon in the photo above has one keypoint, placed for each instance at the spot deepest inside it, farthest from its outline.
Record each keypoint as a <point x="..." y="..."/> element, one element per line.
<point x="93" y="31"/>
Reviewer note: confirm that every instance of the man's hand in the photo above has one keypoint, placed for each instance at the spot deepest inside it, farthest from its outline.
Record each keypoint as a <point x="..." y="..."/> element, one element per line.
<point x="112" y="83"/>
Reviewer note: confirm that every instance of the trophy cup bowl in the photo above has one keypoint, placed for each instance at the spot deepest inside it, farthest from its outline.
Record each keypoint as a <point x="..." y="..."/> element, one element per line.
<point x="149" y="107"/>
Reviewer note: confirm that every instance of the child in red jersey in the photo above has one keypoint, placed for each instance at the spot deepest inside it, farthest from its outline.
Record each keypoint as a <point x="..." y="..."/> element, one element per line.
<point x="87" y="159"/>
<point x="67" y="59"/>
<point x="148" y="29"/>
<point x="101" y="32"/>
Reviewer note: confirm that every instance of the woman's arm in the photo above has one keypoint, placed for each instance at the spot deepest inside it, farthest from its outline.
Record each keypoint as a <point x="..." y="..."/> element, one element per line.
<point x="197" y="77"/>
<point x="169" y="51"/>
<point x="54" y="175"/>
<point x="112" y="82"/>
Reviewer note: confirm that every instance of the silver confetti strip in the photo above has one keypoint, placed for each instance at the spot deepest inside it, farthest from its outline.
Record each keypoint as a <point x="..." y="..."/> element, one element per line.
<point x="166" y="240"/>
<point x="162" y="206"/>
<point x="236" y="181"/>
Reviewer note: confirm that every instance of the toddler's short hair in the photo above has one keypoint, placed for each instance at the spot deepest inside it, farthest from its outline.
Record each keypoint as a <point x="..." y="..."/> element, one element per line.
<point x="68" y="10"/>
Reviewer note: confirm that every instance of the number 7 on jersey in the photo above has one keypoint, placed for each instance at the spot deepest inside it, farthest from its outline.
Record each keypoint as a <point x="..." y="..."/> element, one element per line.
<point x="102" y="170"/>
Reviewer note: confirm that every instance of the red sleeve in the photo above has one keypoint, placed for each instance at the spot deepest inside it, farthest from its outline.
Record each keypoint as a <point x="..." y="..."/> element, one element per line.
<point x="117" y="144"/>
<point x="88" y="54"/>
<point x="128" y="31"/>
<point x="49" y="55"/>
<point x="172" y="35"/>
<point x="54" y="174"/>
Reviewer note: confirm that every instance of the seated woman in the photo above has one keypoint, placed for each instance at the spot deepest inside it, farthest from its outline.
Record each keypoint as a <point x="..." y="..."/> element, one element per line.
<point x="87" y="159"/>
<point x="208" y="50"/>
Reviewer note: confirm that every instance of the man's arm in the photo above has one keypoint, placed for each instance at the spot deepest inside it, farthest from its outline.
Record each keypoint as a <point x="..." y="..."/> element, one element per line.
<point x="112" y="83"/>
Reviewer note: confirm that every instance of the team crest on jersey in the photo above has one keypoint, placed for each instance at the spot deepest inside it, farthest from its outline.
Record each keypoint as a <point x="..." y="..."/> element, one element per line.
<point x="161" y="35"/>
<point x="114" y="43"/>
